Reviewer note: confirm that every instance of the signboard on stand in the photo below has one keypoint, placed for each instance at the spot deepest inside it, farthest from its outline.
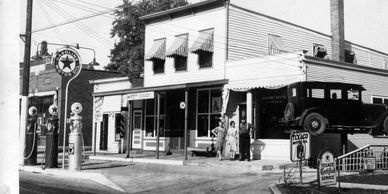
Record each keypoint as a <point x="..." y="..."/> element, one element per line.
<point x="326" y="168"/>
<point x="300" y="146"/>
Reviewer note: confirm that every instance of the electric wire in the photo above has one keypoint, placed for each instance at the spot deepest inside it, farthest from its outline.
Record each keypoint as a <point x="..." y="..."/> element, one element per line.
<point x="60" y="36"/>
<point x="81" y="26"/>
<point x="90" y="10"/>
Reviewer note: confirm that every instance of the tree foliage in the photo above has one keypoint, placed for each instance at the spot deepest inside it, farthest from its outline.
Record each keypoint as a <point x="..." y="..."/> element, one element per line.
<point x="127" y="56"/>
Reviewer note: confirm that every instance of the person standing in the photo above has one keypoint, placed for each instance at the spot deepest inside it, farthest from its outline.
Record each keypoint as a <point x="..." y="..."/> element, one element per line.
<point x="231" y="139"/>
<point x="220" y="133"/>
<point x="244" y="141"/>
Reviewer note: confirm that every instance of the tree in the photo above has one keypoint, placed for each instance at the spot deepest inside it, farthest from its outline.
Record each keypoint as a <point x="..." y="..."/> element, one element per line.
<point x="127" y="56"/>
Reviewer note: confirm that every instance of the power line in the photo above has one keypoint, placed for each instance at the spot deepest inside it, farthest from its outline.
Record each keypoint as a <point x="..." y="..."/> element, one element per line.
<point x="60" y="36"/>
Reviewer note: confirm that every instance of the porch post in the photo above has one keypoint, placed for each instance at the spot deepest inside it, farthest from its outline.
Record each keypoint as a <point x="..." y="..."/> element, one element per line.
<point x="249" y="107"/>
<point x="157" y="124"/>
<point x="186" y="113"/>
<point x="129" y="127"/>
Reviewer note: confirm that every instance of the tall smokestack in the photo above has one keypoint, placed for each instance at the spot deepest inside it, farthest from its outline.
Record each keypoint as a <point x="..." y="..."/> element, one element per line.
<point x="337" y="30"/>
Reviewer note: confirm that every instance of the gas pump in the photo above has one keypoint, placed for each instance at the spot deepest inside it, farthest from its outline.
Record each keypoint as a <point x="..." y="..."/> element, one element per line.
<point x="31" y="138"/>
<point x="75" y="138"/>
<point x="51" y="151"/>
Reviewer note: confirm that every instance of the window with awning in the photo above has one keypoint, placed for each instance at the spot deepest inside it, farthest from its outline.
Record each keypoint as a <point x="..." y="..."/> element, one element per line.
<point x="157" y="54"/>
<point x="204" y="47"/>
<point x="179" y="51"/>
<point x="275" y="45"/>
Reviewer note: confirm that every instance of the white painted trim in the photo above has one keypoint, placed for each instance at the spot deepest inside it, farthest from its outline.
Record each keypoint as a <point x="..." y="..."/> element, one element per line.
<point x="47" y="93"/>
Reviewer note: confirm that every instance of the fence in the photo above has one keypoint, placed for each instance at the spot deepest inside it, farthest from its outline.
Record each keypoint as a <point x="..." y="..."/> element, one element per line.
<point x="356" y="160"/>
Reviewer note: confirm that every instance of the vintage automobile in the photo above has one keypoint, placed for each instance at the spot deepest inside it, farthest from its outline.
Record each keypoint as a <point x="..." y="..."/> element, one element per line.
<point x="332" y="107"/>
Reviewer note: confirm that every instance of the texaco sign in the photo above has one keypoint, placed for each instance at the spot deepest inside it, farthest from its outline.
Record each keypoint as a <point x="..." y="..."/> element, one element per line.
<point x="66" y="61"/>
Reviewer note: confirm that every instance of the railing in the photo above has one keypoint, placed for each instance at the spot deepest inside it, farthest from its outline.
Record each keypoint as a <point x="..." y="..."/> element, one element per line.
<point x="355" y="160"/>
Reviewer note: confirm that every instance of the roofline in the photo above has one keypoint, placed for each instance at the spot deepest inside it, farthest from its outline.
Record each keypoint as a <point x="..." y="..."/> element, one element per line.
<point x="343" y="65"/>
<point x="108" y="80"/>
<point x="162" y="88"/>
<point x="181" y="9"/>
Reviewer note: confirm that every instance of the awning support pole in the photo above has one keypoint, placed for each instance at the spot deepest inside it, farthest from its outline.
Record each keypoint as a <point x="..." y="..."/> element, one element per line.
<point x="157" y="125"/>
<point x="186" y="113"/>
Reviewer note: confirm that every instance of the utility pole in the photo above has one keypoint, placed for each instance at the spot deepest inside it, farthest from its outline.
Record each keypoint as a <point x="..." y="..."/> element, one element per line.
<point x="26" y="82"/>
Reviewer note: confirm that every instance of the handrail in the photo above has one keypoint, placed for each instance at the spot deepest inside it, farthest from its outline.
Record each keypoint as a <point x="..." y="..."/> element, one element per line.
<point x="359" y="149"/>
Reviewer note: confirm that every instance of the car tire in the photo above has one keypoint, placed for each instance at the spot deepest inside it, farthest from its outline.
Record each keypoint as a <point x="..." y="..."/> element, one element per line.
<point x="385" y="125"/>
<point x="314" y="123"/>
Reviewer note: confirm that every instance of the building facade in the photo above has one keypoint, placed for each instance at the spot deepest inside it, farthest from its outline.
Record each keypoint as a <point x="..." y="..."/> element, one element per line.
<point x="225" y="67"/>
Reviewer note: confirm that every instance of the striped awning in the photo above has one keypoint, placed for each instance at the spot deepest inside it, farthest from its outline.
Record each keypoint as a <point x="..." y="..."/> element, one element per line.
<point x="157" y="51"/>
<point x="178" y="47"/>
<point x="204" y="42"/>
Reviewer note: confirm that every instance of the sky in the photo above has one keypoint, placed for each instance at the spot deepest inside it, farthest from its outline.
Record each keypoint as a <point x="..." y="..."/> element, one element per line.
<point x="366" y="22"/>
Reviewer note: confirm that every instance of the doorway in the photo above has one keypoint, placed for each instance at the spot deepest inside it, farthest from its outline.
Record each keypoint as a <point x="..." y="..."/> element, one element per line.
<point x="137" y="129"/>
<point x="104" y="132"/>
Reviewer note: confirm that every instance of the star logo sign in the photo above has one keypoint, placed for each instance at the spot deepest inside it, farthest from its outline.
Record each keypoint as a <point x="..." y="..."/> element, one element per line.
<point x="67" y="62"/>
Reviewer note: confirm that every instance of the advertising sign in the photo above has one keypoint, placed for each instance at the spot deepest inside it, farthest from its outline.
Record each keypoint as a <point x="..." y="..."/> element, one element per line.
<point x="98" y="103"/>
<point x="67" y="62"/>
<point x="300" y="146"/>
<point x="370" y="163"/>
<point x="141" y="96"/>
<point x="326" y="168"/>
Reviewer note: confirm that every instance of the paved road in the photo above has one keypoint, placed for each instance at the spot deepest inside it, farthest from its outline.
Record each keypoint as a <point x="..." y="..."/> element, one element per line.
<point x="152" y="178"/>
<point x="32" y="183"/>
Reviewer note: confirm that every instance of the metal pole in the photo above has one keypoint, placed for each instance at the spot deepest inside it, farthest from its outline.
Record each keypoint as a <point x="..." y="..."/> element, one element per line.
<point x="65" y="119"/>
<point x="300" y="170"/>
<point x="157" y="125"/>
<point x="186" y="113"/>
<point x="26" y="82"/>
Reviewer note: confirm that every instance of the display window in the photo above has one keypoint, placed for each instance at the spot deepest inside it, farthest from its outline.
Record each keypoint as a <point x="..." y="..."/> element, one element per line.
<point x="151" y="117"/>
<point x="209" y="103"/>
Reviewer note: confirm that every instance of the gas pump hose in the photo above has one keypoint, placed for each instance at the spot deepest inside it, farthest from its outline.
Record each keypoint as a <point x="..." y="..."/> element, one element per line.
<point x="33" y="145"/>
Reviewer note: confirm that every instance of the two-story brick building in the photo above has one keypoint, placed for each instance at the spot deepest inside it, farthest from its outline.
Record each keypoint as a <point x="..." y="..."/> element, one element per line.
<point x="220" y="59"/>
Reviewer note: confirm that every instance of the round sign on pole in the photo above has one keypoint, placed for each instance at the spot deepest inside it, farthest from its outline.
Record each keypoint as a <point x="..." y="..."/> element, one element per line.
<point x="67" y="62"/>
<point x="182" y="105"/>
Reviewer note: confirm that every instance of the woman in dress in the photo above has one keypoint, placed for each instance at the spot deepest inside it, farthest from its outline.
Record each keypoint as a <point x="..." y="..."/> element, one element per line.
<point x="231" y="139"/>
<point x="220" y="133"/>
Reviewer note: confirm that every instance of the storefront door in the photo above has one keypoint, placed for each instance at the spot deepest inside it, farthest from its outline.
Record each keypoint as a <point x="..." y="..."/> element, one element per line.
<point x="104" y="132"/>
<point x="137" y="129"/>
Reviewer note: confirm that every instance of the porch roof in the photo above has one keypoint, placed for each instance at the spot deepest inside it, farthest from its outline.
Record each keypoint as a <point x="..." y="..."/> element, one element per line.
<point x="163" y="88"/>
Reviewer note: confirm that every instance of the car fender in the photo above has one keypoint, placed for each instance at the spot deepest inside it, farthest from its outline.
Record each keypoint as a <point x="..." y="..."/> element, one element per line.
<point x="310" y="110"/>
<point x="380" y="120"/>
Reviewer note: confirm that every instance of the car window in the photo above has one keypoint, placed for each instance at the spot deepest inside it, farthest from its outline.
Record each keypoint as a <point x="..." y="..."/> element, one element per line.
<point x="317" y="93"/>
<point x="353" y="95"/>
<point x="335" y="94"/>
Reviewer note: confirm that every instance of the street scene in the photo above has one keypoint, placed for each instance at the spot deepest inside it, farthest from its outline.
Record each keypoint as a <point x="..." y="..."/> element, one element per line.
<point x="196" y="96"/>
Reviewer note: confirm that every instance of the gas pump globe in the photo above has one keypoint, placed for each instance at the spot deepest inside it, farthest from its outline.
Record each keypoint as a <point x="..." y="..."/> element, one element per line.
<point x="75" y="137"/>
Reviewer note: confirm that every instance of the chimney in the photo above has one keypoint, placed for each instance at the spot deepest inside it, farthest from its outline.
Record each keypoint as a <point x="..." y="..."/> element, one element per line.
<point x="43" y="48"/>
<point x="337" y="30"/>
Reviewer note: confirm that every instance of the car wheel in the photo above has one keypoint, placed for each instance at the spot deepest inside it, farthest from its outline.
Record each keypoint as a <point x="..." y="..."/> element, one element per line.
<point x="314" y="123"/>
<point x="385" y="125"/>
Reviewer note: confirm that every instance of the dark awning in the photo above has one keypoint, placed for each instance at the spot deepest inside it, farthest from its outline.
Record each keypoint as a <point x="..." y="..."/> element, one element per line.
<point x="158" y="50"/>
<point x="178" y="47"/>
<point x="204" y="42"/>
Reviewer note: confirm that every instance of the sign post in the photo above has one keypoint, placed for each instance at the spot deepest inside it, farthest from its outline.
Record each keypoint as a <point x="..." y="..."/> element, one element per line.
<point x="300" y="148"/>
<point x="67" y="63"/>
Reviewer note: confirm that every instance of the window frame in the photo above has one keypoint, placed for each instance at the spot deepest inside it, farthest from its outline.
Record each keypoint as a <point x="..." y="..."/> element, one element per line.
<point x="209" y="113"/>
<point x="384" y="99"/>
<point x="154" y="116"/>
<point x="154" y="64"/>
<point x="206" y="58"/>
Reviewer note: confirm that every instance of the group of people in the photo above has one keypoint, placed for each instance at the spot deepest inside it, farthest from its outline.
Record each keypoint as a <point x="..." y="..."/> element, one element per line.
<point x="233" y="137"/>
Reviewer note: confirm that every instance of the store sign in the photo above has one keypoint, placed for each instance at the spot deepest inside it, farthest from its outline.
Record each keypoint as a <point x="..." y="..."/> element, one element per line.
<point x="67" y="62"/>
<point x="300" y="146"/>
<point x="326" y="168"/>
<point x="370" y="163"/>
<point x="141" y="96"/>
<point x="98" y="103"/>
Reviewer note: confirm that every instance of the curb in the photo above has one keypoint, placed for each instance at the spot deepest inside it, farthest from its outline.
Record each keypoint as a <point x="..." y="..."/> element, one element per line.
<point x="96" y="177"/>
<point x="274" y="189"/>
<point x="139" y="160"/>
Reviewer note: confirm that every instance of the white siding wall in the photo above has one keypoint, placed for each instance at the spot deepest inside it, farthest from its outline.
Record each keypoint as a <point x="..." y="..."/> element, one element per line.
<point x="190" y="24"/>
<point x="248" y="35"/>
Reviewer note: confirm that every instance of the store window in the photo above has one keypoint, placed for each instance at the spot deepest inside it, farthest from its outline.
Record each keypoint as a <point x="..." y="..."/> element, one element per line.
<point x="151" y="117"/>
<point x="379" y="100"/>
<point x="209" y="103"/>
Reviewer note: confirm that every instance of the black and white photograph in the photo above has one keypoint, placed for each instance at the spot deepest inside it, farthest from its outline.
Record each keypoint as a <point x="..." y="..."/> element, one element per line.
<point x="193" y="96"/>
